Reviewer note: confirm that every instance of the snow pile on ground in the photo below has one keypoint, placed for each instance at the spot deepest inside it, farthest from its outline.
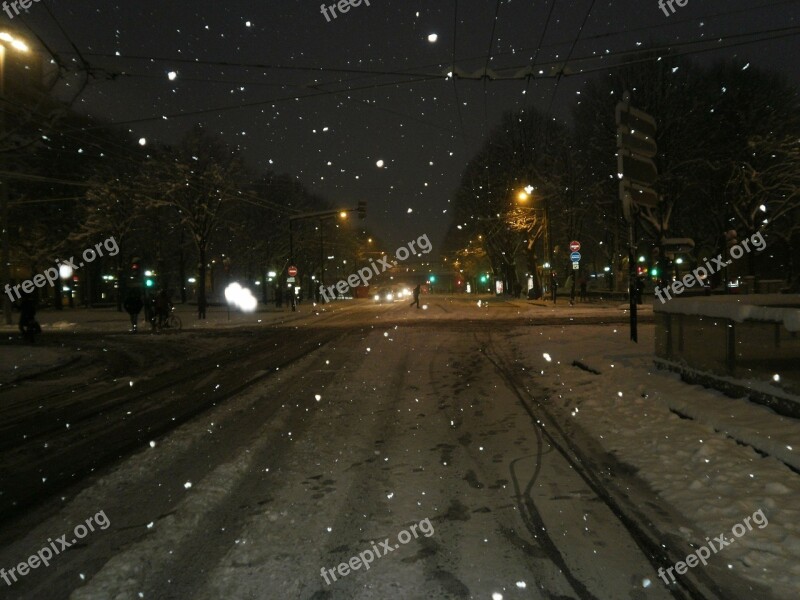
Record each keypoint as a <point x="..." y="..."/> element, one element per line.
<point x="694" y="464"/>
<point x="778" y="308"/>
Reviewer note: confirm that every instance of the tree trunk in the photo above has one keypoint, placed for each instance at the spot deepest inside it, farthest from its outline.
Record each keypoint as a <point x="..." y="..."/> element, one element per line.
<point x="201" y="277"/>
<point x="122" y="284"/>
<point x="57" y="293"/>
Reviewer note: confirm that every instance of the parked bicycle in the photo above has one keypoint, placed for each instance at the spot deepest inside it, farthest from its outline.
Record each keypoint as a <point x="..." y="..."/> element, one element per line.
<point x="171" y="322"/>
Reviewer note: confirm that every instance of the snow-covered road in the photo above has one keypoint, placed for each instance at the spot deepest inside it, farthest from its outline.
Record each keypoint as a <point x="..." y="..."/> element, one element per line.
<point x="538" y="479"/>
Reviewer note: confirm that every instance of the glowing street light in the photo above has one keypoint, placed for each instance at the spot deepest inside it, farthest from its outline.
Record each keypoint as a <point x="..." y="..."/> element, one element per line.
<point x="15" y="43"/>
<point x="5" y="272"/>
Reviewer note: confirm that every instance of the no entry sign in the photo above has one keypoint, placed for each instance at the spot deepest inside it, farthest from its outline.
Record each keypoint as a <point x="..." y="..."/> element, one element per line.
<point x="574" y="246"/>
<point x="292" y="271"/>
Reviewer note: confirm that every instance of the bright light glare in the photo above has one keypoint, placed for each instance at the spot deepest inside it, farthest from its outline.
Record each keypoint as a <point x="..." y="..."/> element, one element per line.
<point x="432" y="38"/>
<point x="15" y="43"/>
<point x="232" y="292"/>
<point x="65" y="271"/>
<point x="172" y="75"/>
<point x="241" y="297"/>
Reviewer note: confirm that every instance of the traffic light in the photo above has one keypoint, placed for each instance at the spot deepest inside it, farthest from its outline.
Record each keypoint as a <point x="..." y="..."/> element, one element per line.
<point x="135" y="273"/>
<point x="362" y="209"/>
<point x="432" y="278"/>
<point x="654" y="271"/>
<point x="484" y="278"/>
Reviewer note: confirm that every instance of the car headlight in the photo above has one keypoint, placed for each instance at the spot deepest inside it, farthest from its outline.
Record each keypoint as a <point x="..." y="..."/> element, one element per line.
<point x="389" y="296"/>
<point x="377" y="298"/>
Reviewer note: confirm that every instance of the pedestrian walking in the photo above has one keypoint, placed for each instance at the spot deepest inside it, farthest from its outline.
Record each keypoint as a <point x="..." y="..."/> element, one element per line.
<point x="553" y="285"/>
<point x="28" y="325"/>
<point x="417" y="291"/>
<point x="201" y="307"/>
<point x="133" y="306"/>
<point x="639" y="289"/>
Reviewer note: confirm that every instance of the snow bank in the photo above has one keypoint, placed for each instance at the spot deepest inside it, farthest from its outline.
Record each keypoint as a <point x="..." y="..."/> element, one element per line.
<point x="776" y="308"/>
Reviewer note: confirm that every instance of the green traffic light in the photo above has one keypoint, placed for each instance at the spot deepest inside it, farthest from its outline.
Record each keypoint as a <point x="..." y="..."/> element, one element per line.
<point x="654" y="272"/>
<point x="149" y="282"/>
<point x="432" y="278"/>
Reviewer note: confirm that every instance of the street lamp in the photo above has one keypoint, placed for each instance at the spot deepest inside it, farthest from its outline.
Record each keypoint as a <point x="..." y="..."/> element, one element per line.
<point x="523" y="196"/>
<point x="6" y="39"/>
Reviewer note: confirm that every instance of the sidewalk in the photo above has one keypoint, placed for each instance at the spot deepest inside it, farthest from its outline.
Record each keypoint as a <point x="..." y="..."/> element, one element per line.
<point x="108" y="320"/>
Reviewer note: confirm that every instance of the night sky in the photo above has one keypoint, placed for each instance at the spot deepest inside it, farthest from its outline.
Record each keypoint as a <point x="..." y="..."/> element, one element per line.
<point x="412" y="122"/>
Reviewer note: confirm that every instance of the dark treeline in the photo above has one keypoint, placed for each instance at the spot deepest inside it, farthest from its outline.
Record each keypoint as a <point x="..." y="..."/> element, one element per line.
<point x="728" y="160"/>
<point x="191" y="212"/>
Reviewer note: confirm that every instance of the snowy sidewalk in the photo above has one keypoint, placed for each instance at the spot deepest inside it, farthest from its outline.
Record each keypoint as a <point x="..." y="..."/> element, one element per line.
<point x="696" y="447"/>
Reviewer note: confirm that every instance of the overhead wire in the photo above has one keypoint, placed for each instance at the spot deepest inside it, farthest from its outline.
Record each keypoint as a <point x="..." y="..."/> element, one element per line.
<point x="562" y="73"/>
<point x="453" y="75"/>
<point x="486" y="69"/>
<point x="566" y="62"/>
<point x="539" y="47"/>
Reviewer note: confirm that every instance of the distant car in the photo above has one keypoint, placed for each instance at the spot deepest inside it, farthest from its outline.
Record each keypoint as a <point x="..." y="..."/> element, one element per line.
<point x="393" y="293"/>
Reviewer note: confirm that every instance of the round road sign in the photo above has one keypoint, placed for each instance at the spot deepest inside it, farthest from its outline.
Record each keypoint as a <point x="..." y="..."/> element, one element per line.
<point x="292" y="271"/>
<point x="574" y="246"/>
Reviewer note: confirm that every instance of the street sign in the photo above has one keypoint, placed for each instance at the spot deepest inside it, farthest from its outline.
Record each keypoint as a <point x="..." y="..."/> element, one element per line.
<point x="633" y="194"/>
<point x="634" y="167"/>
<point x="576" y="266"/>
<point x="575" y="257"/>
<point x="292" y="271"/>
<point x="636" y="130"/>
<point x="290" y="280"/>
<point x="574" y="246"/>
<point x="641" y="195"/>
<point x="636" y="143"/>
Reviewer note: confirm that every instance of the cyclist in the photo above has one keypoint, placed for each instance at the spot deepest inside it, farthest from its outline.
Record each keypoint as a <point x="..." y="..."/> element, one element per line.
<point x="163" y="306"/>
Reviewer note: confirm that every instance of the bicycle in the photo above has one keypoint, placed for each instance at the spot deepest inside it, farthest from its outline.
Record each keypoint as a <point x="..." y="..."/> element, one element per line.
<point x="30" y="330"/>
<point x="172" y="321"/>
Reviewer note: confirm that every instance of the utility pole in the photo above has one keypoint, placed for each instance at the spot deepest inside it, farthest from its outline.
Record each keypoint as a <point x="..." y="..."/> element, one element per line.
<point x="636" y="148"/>
<point x="5" y="276"/>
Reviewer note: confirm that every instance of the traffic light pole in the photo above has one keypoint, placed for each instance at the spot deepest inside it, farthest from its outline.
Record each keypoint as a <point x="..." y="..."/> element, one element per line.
<point x="5" y="273"/>
<point x="291" y="262"/>
<point x="632" y="287"/>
